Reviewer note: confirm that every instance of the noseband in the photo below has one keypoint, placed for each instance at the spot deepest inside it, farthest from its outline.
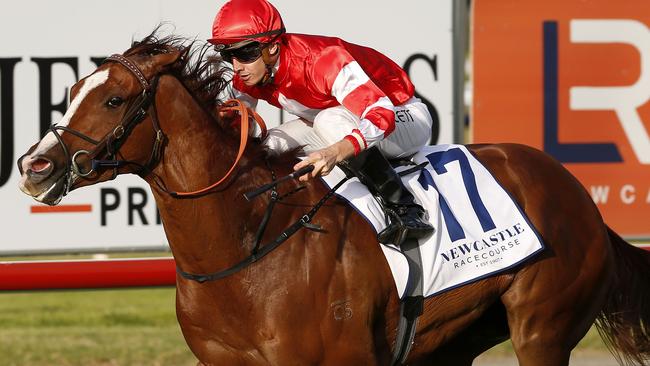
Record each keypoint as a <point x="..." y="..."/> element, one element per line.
<point x="109" y="145"/>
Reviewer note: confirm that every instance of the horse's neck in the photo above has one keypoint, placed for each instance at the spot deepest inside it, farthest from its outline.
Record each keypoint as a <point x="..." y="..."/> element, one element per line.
<point x="204" y="233"/>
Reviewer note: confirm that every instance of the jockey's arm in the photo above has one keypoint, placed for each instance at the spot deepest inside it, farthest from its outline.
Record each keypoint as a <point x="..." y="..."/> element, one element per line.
<point x="343" y="78"/>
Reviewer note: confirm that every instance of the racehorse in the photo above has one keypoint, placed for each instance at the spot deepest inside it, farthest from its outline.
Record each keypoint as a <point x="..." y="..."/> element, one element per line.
<point x="326" y="297"/>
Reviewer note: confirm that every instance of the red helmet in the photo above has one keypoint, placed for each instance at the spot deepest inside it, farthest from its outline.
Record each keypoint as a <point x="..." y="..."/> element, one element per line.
<point x="239" y="21"/>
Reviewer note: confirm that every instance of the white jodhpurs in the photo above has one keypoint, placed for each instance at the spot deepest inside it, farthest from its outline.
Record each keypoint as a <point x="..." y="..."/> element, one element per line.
<point x="412" y="130"/>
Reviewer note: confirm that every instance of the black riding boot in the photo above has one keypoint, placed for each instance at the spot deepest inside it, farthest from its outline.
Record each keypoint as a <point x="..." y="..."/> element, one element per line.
<point x="406" y="222"/>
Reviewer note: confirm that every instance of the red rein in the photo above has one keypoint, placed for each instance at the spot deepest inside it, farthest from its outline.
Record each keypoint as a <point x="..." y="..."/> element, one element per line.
<point x="236" y="106"/>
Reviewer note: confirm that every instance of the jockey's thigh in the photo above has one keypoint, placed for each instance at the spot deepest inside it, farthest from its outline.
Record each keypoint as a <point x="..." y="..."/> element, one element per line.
<point x="412" y="128"/>
<point x="293" y="134"/>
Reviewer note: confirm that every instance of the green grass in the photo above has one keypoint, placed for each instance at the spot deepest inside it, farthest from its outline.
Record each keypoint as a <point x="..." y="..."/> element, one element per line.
<point x="99" y="327"/>
<point x="111" y="327"/>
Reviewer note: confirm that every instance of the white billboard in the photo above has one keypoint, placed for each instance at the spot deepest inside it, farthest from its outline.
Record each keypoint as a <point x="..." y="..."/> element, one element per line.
<point x="47" y="45"/>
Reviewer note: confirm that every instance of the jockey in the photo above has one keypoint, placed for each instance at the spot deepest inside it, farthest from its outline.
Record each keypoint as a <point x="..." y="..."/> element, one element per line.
<point x="355" y="105"/>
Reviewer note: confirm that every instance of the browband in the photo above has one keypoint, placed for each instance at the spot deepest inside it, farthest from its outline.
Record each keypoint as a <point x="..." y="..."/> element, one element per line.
<point x="132" y="67"/>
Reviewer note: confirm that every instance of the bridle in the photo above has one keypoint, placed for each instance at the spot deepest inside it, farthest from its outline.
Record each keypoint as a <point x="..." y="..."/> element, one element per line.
<point x="108" y="147"/>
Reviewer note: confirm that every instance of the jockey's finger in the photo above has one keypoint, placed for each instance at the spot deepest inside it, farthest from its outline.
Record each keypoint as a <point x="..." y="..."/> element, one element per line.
<point x="300" y="164"/>
<point x="304" y="163"/>
<point x="305" y="178"/>
<point x="318" y="166"/>
<point x="325" y="170"/>
<point x="311" y="159"/>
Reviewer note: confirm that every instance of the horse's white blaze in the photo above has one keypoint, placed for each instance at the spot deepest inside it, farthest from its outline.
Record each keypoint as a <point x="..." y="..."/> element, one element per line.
<point x="89" y="84"/>
<point x="49" y="140"/>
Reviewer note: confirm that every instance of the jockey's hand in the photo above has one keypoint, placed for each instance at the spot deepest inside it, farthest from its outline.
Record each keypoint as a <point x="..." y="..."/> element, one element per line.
<point x="325" y="159"/>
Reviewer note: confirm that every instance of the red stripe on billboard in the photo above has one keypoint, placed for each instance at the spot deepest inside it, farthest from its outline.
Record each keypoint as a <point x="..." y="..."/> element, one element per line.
<point x="61" y="208"/>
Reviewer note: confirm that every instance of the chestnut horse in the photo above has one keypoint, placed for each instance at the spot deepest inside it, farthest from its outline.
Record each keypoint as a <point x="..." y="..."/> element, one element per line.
<point x="327" y="297"/>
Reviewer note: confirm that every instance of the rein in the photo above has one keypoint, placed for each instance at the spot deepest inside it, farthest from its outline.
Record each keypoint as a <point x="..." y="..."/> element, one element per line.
<point x="232" y="105"/>
<point x="258" y="252"/>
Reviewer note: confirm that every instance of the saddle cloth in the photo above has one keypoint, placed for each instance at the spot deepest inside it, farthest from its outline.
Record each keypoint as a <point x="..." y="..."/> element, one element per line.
<point x="479" y="229"/>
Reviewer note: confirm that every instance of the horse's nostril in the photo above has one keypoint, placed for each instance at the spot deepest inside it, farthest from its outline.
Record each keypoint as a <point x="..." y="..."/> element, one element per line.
<point x="40" y="165"/>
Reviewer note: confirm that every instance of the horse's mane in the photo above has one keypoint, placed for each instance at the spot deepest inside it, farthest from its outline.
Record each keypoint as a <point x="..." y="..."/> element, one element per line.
<point x="200" y="70"/>
<point x="203" y="73"/>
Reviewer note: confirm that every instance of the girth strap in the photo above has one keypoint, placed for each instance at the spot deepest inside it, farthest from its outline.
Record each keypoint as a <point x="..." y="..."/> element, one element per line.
<point x="412" y="305"/>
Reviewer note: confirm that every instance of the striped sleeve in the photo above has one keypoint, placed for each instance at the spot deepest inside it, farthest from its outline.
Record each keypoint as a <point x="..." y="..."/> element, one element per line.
<point x="338" y="74"/>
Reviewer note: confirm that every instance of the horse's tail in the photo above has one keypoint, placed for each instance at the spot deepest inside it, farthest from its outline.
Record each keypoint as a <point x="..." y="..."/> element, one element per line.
<point x="624" y="322"/>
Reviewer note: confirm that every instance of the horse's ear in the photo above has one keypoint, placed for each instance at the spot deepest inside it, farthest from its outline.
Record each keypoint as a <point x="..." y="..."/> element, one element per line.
<point x="164" y="60"/>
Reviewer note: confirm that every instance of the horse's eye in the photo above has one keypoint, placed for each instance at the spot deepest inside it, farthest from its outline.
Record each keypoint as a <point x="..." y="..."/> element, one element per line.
<point x="115" y="102"/>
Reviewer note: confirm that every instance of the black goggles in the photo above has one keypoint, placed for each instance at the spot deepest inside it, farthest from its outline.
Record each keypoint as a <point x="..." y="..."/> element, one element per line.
<point x="244" y="54"/>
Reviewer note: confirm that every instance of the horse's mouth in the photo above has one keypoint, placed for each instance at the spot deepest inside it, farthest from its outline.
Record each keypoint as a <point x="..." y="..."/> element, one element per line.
<point x="51" y="195"/>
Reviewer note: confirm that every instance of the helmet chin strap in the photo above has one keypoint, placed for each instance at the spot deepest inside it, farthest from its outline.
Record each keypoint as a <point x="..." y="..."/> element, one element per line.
<point x="268" y="63"/>
<point x="268" y="76"/>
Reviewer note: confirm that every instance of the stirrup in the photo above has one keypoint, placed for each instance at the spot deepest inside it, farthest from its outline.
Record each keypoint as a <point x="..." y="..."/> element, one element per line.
<point x="389" y="234"/>
<point x="395" y="232"/>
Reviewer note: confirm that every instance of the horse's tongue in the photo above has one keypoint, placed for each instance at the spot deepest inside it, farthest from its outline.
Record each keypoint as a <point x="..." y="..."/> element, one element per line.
<point x="40" y="165"/>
